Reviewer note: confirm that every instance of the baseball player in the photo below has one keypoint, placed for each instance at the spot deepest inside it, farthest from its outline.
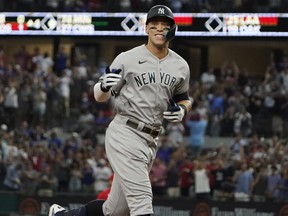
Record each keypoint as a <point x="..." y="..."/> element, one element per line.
<point x="149" y="83"/>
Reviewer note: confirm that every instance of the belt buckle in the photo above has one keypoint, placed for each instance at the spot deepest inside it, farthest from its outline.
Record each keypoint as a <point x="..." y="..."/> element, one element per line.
<point x="154" y="131"/>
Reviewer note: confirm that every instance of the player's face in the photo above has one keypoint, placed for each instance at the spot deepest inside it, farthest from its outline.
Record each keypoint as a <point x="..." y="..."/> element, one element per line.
<point x="157" y="29"/>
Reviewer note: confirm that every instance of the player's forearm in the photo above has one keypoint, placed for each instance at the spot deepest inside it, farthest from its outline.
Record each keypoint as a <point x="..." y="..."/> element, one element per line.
<point x="187" y="104"/>
<point x="99" y="95"/>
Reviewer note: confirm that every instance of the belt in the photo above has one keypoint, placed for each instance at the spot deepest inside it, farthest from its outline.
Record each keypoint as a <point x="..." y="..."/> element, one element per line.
<point x="145" y="129"/>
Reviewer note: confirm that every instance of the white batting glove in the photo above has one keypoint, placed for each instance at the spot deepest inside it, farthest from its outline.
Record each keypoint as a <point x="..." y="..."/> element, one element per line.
<point x="111" y="78"/>
<point x="175" y="112"/>
<point x="174" y="116"/>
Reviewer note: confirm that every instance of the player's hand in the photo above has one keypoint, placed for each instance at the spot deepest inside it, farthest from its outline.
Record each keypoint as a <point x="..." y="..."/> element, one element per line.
<point x="110" y="78"/>
<point x="175" y="112"/>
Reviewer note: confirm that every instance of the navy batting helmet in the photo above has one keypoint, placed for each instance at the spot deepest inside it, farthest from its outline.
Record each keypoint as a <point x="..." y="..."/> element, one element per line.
<point x="160" y="11"/>
<point x="163" y="11"/>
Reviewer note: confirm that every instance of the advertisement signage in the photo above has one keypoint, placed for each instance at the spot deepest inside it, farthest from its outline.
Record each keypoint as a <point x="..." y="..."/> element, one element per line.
<point x="133" y="24"/>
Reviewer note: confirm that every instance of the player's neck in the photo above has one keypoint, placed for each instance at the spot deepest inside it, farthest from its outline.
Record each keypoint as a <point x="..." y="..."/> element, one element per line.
<point x="159" y="52"/>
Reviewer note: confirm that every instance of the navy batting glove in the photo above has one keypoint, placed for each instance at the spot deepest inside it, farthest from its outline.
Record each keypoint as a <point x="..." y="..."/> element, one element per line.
<point x="115" y="71"/>
<point x="173" y="107"/>
<point x="110" y="78"/>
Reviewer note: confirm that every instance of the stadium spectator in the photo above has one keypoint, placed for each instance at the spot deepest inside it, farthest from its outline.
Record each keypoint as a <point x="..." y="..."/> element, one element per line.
<point x="243" y="122"/>
<point x="227" y="122"/>
<point x="36" y="156"/>
<point x="125" y="5"/>
<point x="11" y="105"/>
<point x="103" y="195"/>
<point x="35" y="58"/>
<point x="61" y="169"/>
<point x="229" y="72"/>
<point x="37" y="135"/>
<point x="54" y="142"/>
<point x="283" y="185"/>
<point x="38" y="63"/>
<point x="208" y="78"/>
<point x="64" y="83"/>
<point x="2" y="98"/>
<point x="2" y="57"/>
<point x="175" y="132"/>
<point x="25" y="99"/>
<point x="75" y="183"/>
<point x="54" y="113"/>
<point x="61" y="60"/>
<point x="176" y="6"/>
<point x="39" y="99"/>
<point x="46" y="64"/>
<point x="158" y="175"/>
<point x="102" y="120"/>
<point x="216" y="111"/>
<point x="238" y="147"/>
<point x="197" y="125"/>
<point x="165" y="149"/>
<point x="201" y="178"/>
<point x="244" y="183"/>
<point x="48" y="182"/>
<point x="52" y="5"/>
<point x="186" y="176"/>
<point x="274" y="178"/>
<point x="172" y="180"/>
<point x="71" y="145"/>
<point x="219" y="176"/>
<point x="12" y="180"/>
<point x="21" y="57"/>
<point x="260" y="183"/>
<point x="29" y="179"/>
<point x="88" y="179"/>
<point x="85" y="121"/>
<point x="102" y="174"/>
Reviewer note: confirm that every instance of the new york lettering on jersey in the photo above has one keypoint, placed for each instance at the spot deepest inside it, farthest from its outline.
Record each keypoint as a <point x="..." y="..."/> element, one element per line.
<point x="150" y="77"/>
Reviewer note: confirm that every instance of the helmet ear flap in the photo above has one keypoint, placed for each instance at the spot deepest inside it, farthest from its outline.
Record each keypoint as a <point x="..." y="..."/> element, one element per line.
<point x="170" y="35"/>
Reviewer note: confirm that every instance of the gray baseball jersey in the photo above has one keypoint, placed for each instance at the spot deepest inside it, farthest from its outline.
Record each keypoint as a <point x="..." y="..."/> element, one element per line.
<point x="142" y="95"/>
<point x="148" y="83"/>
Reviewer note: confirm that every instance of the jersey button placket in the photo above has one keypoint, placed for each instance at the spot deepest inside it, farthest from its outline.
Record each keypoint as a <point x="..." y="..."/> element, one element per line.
<point x="159" y="90"/>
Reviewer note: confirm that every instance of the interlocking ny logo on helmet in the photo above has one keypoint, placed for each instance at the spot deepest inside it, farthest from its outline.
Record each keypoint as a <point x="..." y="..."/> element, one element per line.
<point x="161" y="11"/>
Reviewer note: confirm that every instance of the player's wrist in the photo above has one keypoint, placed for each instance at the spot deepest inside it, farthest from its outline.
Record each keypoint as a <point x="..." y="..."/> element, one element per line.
<point x="103" y="88"/>
<point x="182" y="106"/>
<point x="99" y="95"/>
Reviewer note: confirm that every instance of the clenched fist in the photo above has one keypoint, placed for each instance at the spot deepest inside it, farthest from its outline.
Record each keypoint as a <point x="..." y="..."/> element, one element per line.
<point x="110" y="78"/>
<point x="175" y="112"/>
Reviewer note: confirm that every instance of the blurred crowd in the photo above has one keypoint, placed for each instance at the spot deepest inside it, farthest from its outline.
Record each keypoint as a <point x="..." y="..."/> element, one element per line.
<point x="189" y="6"/>
<point x="51" y="135"/>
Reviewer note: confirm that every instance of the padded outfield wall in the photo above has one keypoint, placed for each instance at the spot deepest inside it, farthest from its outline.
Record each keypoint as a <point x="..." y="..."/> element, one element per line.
<point x="13" y="204"/>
